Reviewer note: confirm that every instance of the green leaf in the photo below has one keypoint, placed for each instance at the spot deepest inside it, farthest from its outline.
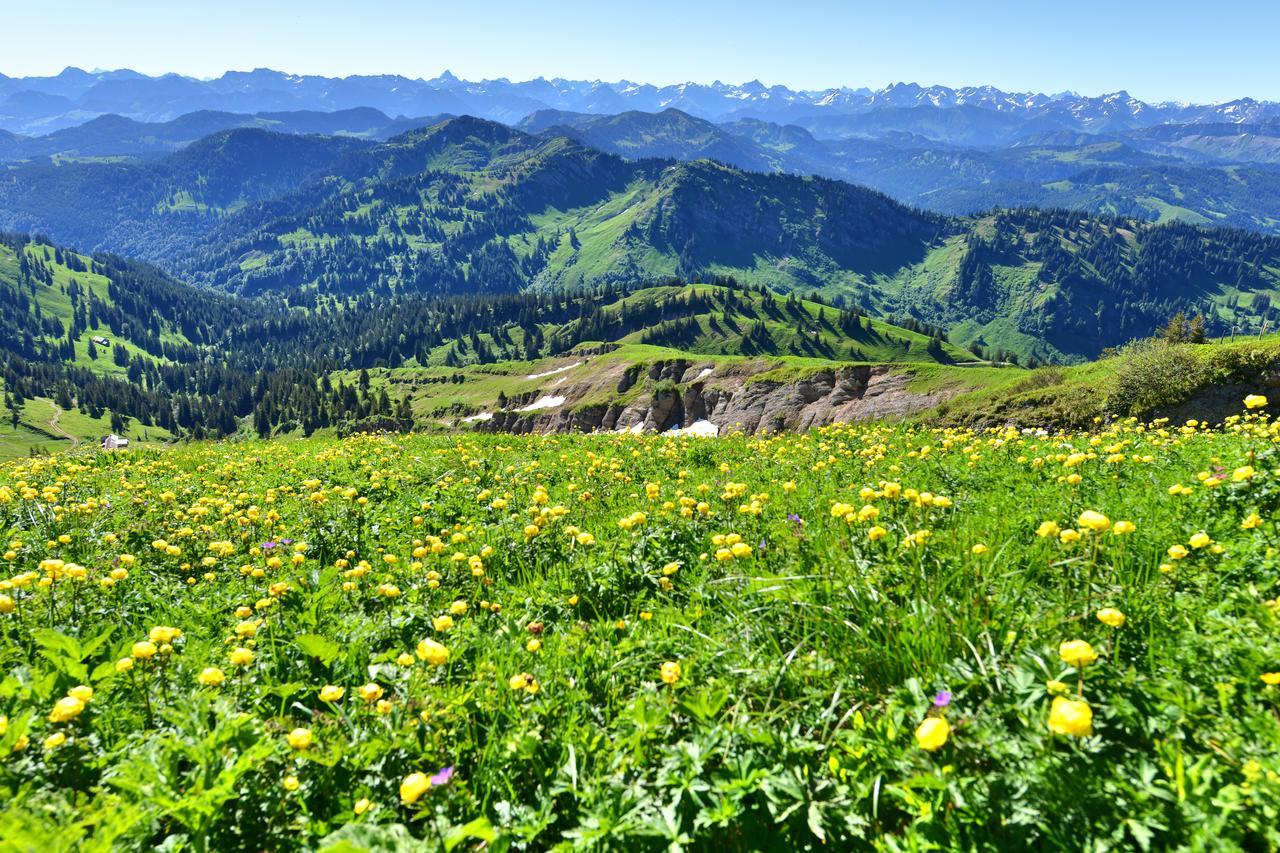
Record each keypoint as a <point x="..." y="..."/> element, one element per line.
<point x="368" y="838"/>
<point x="103" y="671"/>
<point x="479" y="829"/>
<point x="58" y="643"/>
<point x="313" y="645"/>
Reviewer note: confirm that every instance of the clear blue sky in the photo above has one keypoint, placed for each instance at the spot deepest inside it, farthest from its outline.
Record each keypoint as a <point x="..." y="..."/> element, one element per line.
<point x="1156" y="50"/>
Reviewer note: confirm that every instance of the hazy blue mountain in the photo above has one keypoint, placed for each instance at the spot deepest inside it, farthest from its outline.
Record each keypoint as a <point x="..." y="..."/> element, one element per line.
<point x="42" y="104"/>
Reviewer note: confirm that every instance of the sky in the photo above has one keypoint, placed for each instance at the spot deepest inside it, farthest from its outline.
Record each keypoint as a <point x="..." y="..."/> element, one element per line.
<point x="1171" y="50"/>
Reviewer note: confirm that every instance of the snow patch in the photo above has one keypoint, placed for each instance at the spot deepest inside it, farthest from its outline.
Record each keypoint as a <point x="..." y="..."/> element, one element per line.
<point x="483" y="416"/>
<point x="554" y="372"/>
<point x="706" y="371"/>
<point x="544" y="402"/>
<point x="699" y="429"/>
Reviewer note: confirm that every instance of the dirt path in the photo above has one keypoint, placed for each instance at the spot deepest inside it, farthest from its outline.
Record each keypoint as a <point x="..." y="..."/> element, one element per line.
<point x="53" y="425"/>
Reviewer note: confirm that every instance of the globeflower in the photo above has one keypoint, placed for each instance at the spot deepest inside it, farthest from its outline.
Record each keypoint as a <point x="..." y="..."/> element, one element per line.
<point x="1270" y="678"/>
<point x="932" y="733"/>
<point x="164" y="634"/>
<point x="66" y="708"/>
<point x="144" y="650"/>
<point x="331" y="693"/>
<point x="1123" y="528"/>
<point x="1077" y="653"/>
<point x="1095" y="521"/>
<point x="1071" y="717"/>
<point x="670" y="671"/>
<point x="1255" y="401"/>
<point x="299" y="739"/>
<point x="442" y="623"/>
<point x="371" y="692"/>
<point x="1199" y="540"/>
<point x="240" y="657"/>
<point x="211" y="676"/>
<point x="412" y="787"/>
<point x="1111" y="616"/>
<point x="434" y="653"/>
<point x="1048" y="529"/>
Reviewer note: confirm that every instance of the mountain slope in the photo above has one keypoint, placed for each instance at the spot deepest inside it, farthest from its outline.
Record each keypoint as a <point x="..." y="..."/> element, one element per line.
<point x="470" y="206"/>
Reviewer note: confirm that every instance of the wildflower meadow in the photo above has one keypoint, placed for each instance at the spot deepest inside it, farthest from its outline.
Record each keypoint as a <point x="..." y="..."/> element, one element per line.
<point x="900" y="637"/>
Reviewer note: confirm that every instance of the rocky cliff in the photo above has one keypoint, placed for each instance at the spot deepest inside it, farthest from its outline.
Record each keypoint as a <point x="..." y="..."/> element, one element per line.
<point x="709" y="399"/>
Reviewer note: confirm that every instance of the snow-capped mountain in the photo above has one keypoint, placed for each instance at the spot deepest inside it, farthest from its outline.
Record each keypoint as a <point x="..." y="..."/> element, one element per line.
<point x="36" y="105"/>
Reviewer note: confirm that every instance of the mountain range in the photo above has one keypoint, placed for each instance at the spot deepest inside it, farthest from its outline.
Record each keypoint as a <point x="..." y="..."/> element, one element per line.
<point x="34" y="105"/>
<point x="468" y="206"/>
<point x="953" y="151"/>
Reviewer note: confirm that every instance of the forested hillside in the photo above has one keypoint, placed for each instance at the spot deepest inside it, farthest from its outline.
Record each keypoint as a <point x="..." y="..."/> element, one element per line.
<point x="129" y="349"/>
<point x="473" y="207"/>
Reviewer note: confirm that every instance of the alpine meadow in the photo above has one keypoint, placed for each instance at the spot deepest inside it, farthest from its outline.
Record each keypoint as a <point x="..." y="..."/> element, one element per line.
<point x="398" y="461"/>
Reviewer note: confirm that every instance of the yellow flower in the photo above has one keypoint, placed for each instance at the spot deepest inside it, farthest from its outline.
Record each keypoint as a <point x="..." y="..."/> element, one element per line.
<point x="1068" y="536"/>
<point x="413" y="787"/>
<point x="1055" y="687"/>
<point x="1071" y="717"/>
<point x="1077" y="653"/>
<point x="932" y="733"/>
<point x="144" y="650"/>
<point x="458" y="608"/>
<point x="433" y="653"/>
<point x="1123" y="528"/>
<point x="442" y="623"/>
<point x="1095" y="521"/>
<point x="670" y="671"/>
<point x="66" y="708"/>
<point x="1111" y="616"/>
<point x="877" y="533"/>
<point x="299" y="738"/>
<point x="1255" y="401"/>
<point x="331" y="693"/>
<point x="362" y="805"/>
<point x="1048" y="529"/>
<point x="371" y="692"/>
<point x="211" y="676"/>
<point x="1270" y="678"/>
<point x="405" y="659"/>
<point x="290" y="783"/>
<point x="1254" y="520"/>
<point x="1199" y="540"/>
<point x="7" y="605"/>
<point x="124" y="664"/>
<point x="82" y="692"/>
<point x="55" y="740"/>
<point x="240" y="657"/>
<point x="1177" y="552"/>
<point x="164" y="634"/>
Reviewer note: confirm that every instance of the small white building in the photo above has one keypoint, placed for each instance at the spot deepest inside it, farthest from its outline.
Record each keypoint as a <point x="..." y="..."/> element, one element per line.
<point x="114" y="442"/>
<point x="100" y="341"/>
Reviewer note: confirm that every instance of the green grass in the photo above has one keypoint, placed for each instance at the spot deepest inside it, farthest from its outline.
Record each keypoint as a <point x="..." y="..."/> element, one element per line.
<point x="811" y="643"/>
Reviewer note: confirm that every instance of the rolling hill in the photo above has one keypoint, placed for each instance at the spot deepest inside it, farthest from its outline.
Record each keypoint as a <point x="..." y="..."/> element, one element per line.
<point x="470" y="206"/>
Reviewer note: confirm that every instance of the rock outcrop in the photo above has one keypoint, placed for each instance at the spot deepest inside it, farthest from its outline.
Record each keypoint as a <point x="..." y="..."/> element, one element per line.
<point x="680" y="392"/>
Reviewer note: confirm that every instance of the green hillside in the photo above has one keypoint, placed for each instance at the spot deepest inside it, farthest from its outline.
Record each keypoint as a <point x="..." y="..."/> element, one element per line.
<point x="473" y="207"/>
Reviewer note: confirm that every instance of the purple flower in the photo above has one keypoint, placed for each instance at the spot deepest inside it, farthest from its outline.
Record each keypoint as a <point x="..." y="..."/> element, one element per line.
<point x="286" y="541"/>
<point x="267" y="546"/>
<point x="443" y="777"/>
<point x="943" y="699"/>
<point x="794" y="519"/>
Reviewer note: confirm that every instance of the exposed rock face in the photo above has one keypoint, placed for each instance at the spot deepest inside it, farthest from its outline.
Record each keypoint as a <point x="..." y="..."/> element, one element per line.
<point x="685" y="393"/>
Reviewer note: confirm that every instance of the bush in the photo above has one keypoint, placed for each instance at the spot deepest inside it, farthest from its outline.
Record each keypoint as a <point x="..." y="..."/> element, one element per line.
<point x="1153" y="374"/>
